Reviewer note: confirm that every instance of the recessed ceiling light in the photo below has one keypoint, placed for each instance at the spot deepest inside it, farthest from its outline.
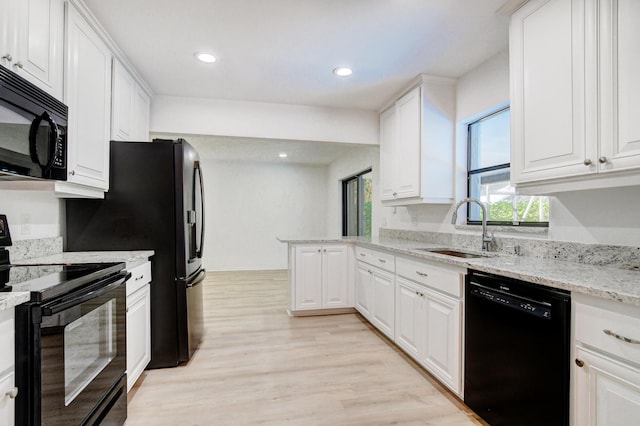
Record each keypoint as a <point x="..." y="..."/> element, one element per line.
<point x="282" y="155"/>
<point x="205" y="57"/>
<point x="342" y="71"/>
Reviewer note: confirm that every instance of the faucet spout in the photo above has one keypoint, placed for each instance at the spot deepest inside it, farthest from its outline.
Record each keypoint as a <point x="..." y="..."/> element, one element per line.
<point x="486" y="238"/>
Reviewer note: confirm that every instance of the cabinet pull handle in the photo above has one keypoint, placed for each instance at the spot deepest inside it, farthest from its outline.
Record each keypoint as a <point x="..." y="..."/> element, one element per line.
<point x="139" y="278"/>
<point x="587" y="162"/>
<point x="319" y="251"/>
<point x="369" y="271"/>
<point x="362" y="254"/>
<point x="579" y="363"/>
<point x="619" y="337"/>
<point x="422" y="274"/>
<point x="72" y="172"/>
<point x="382" y="261"/>
<point x="8" y="57"/>
<point x="603" y="160"/>
<point x="13" y="393"/>
<point x="395" y="194"/>
<point x="18" y="65"/>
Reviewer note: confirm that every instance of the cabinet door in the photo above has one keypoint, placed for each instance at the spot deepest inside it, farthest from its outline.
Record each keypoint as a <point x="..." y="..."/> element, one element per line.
<point x="122" y="103"/>
<point x="408" y="317"/>
<point x="141" y="111"/>
<point x="443" y="334"/>
<point x="408" y="157"/>
<point x="383" y="315"/>
<point x="388" y="153"/>
<point x="607" y="392"/>
<point x="7" y="403"/>
<point x="364" y="289"/>
<point x="88" y="95"/>
<point x="619" y="69"/>
<point x="138" y="333"/>
<point x="335" y="273"/>
<point x="549" y="116"/>
<point x="308" y="277"/>
<point x="39" y="56"/>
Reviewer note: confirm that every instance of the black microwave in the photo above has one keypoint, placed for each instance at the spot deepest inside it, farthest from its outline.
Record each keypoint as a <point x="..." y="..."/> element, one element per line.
<point x="33" y="131"/>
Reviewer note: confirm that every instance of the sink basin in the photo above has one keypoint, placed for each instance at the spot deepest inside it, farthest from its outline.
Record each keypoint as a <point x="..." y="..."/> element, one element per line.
<point x="455" y="253"/>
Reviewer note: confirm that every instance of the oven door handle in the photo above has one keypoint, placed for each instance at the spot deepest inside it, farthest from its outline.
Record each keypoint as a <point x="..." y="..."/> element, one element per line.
<point x="92" y="292"/>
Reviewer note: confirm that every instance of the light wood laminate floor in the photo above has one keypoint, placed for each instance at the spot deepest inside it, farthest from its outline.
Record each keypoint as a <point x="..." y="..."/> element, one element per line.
<point x="257" y="366"/>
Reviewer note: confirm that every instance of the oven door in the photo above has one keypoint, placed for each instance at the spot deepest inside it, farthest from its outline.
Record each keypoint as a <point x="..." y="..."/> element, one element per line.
<point x="82" y="352"/>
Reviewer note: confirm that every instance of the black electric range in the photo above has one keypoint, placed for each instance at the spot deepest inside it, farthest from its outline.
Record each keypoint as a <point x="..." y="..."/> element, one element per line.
<point x="70" y="347"/>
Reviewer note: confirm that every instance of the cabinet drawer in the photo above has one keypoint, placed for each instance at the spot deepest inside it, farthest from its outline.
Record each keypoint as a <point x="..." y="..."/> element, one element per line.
<point x="595" y="327"/>
<point x="140" y="275"/>
<point x="376" y="258"/>
<point x="7" y="338"/>
<point x="445" y="279"/>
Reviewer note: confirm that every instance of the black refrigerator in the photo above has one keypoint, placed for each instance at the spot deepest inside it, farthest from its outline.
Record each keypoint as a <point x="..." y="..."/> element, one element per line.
<point x="155" y="202"/>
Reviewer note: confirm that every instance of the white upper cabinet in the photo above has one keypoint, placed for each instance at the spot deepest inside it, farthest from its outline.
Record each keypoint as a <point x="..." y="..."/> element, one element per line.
<point x="574" y="94"/>
<point x="88" y="96"/>
<point x="130" y="107"/>
<point x="31" y="41"/>
<point x="416" y="144"/>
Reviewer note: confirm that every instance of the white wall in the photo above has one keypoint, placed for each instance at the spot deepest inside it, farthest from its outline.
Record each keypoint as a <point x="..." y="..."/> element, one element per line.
<point x="171" y="114"/>
<point x="249" y="205"/>
<point x="344" y="167"/>
<point x="32" y="214"/>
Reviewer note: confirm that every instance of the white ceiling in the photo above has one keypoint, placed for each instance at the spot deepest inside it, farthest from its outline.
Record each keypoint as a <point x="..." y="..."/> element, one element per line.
<point x="283" y="51"/>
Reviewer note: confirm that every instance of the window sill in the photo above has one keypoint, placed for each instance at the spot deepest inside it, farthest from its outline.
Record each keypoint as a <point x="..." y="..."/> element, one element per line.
<point x="520" y="229"/>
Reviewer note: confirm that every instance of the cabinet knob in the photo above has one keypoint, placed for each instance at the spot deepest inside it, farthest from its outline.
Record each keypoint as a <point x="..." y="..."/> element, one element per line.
<point x="8" y="57"/>
<point x="72" y="172"/>
<point x="18" y="65"/>
<point x="603" y="160"/>
<point x="319" y="251"/>
<point x="579" y="363"/>
<point x="395" y="194"/>
<point x="12" y="393"/>
<point x="587" y="162"/>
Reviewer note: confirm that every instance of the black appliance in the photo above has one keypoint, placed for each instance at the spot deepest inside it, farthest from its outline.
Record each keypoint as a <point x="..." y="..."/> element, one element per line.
<point x="155" y="202"/>
<point x="516" y="351"/>
<point x="33" y="131"/>
<point x="70" y="347"/>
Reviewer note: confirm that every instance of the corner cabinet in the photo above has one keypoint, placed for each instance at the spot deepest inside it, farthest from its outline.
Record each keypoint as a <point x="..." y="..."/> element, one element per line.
<point x="88" y="96"/>
<point x="375" y="288"/>
<point x="428" y="325"/>
<point x="138" y="322"/>
<point x="573" y="124"/>
<point x="31" y="41"/>
<point x="417" y="144"/>
<point x="319" y="278"/>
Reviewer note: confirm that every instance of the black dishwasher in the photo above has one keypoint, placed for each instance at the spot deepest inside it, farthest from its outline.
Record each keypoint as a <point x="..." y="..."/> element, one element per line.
<point x="516" y="351"/>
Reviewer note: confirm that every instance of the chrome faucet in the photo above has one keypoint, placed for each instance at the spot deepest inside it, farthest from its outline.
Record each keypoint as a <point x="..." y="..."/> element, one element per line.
<point x="486" y="238"/>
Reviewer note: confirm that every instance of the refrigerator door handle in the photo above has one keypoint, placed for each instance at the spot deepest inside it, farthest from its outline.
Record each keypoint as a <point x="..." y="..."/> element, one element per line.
<point x="198" y="170"/>
<point x="197" y="279"/>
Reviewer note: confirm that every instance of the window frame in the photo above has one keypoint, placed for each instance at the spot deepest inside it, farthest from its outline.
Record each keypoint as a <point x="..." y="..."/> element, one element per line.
<point x="360" y="204"/>
<point x="471" y="172"/>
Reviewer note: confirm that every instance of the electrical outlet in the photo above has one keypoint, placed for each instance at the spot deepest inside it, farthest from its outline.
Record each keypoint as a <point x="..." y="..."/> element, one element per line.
<point x="25" y="224"/>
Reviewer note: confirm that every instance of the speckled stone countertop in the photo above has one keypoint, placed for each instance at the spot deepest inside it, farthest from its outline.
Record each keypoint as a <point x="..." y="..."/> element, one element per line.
<point x="600" y="281"/>
<point x="131" y="258"/>
<point x="10" y="300"/>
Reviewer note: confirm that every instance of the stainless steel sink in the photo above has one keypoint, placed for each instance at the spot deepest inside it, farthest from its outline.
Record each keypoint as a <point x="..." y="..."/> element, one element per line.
<point x="455" y="253"/>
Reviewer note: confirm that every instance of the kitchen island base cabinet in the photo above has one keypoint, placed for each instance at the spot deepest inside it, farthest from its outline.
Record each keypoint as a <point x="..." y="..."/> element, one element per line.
<point x="138" y="322"/>
<point x="320" y="279"/>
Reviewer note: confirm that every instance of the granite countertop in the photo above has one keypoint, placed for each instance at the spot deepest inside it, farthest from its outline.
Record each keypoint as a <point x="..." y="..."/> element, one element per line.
<point x="131" y="258"/>
<point x="10" y="300"/>
<point x="601" y="281"/>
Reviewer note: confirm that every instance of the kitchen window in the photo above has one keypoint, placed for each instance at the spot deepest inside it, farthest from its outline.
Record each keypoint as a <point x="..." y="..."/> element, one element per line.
<point x="488" y="176"/>
<point x="356" y="204"/>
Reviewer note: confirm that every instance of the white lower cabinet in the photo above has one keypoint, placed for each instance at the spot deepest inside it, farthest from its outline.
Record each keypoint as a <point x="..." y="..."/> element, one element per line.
<point x="138" y="322"/>
<point x="320" y="278"/>
<point x="606" y="367"/>
<point x="8" y="391"/>
<point x="375" y="289"/>
<point x="428" y="325"/>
